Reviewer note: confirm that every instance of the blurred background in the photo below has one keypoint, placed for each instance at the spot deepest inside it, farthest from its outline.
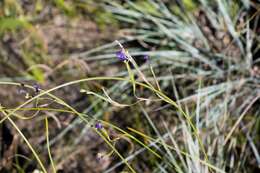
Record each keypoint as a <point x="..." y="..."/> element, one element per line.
<point x="202" y="54"/>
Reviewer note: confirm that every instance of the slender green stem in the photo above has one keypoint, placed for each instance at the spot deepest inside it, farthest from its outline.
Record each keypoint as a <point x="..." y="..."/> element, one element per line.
<point x="48" y="144"/>
<point x="159" y="93"/>
<point x="26" y="141"/>
<point x="115" y="150"/>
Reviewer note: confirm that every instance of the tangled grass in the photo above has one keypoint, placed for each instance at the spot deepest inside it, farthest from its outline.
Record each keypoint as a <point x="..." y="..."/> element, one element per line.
<point x="182" y="97"/>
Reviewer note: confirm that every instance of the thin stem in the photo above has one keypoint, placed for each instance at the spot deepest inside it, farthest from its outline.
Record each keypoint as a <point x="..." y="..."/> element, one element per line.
<point x="48" y="144"/>
<point x="26" y="141"/>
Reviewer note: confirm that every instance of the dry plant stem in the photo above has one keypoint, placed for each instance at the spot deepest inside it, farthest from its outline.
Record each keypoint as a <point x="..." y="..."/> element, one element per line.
<point x="240" y="119"/>
<point x="48" y="144"/>
<point x="63" y="103"/>
<point x="26" y="141"/>
<point x="126" y="134"/>
<point x="179" y="151"/>
<point x="163" y="96"/>
<point x="115" y="150"/>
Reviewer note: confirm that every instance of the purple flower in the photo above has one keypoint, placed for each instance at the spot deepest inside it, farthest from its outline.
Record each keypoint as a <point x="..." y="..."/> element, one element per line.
<point x="121" y="55"/>
<point x="98" y="126"/>
<point x="146" y="57"/>
<point x="21" y="91"/>
<point x="36" y="88"/>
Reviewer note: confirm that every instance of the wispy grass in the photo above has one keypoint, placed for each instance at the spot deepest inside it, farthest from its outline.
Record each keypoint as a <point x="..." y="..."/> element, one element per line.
<point x="186" y="109"/>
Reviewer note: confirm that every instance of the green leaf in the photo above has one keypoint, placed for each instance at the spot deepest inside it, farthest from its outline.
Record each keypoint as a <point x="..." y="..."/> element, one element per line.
<point x="12" y="24"/>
